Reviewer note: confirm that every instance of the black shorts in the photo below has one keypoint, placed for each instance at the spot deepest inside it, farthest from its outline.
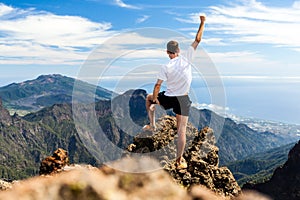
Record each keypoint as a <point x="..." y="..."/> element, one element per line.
<point x="180" y="104"/>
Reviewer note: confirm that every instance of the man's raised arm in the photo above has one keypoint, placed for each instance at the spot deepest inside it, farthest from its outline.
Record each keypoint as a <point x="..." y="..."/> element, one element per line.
<point x="199" y="33"/>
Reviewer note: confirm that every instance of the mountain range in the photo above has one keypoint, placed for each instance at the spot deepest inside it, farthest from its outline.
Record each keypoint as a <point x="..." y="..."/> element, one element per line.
<point x="26" y="140"/>
<point x="46" y="90"/>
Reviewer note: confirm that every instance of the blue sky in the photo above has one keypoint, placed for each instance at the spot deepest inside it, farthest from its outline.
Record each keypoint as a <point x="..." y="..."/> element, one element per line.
<point x="251" y="42"/>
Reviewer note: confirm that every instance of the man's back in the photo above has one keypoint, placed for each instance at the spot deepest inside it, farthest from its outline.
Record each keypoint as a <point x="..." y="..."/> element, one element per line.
<point x="178" y="74"/>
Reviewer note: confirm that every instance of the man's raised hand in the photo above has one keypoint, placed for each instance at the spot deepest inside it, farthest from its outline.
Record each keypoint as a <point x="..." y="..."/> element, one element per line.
<point x="202" y="18"/>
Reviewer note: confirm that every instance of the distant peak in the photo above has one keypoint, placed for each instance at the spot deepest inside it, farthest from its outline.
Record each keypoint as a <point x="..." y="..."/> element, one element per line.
<point x="49" y="76"/>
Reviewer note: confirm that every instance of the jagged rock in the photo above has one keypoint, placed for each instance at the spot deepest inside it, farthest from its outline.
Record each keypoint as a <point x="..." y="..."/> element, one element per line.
<point x="285" y="182"/>
<point x="86" y="182"/>
<point x="5" y="117"/>
<point x="201" y="155"/>
<point x="55" y="163"/>
<point x="5" y="185"/>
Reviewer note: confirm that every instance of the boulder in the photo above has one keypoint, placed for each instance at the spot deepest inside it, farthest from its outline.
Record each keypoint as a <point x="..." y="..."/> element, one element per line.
<point x="55" y="163"/>
<point x="4" y="185"/>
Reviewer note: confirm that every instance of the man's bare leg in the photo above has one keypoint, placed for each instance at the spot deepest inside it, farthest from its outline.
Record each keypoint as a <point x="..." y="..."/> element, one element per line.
<point x="181" y="131"/>
<point x="150" y="111"/>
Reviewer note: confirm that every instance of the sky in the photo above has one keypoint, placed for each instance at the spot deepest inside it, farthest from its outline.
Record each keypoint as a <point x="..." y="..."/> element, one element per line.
<point x="253" y="47"/>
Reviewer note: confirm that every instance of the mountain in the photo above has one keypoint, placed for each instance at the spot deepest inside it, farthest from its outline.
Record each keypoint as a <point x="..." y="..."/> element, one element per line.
<point x="258" y="168"/>
<point x="25" y="140"/>
<point x="285" y="182"/>
<point x="46" y="90"/>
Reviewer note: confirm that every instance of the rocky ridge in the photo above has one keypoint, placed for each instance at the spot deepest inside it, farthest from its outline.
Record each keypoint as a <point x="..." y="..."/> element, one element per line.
<point x="201" y="155"/>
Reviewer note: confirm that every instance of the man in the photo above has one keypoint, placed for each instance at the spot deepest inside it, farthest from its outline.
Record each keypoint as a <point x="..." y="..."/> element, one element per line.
<point x="178" y="76"/>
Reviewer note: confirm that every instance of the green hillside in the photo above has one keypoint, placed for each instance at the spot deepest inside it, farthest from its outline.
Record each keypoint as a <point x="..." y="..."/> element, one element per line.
<point x="258" y="168"/>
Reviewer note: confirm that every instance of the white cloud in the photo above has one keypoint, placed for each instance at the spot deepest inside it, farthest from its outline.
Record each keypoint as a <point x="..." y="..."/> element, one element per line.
<point x="29" y="36"/>
<point x="296" y="5"/>
<point x="282" y="79"/>
<point x="128" y="46"/>
<point x="61" y="31"/>
<point x="124" y="5"/>
<point x="142" y="19"/>
<point x="38" y="37"/>
<point x="216" y="108"/>
<point x="253" y="22"/>
<point x="233" y="62"/>
<point x="213" y="41"/>
<point x="236" y="57"/>
<point x="4" y="9"/>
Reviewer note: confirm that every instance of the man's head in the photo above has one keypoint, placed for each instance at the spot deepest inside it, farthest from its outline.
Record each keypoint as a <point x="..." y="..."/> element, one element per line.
<point x="172" y="49"/>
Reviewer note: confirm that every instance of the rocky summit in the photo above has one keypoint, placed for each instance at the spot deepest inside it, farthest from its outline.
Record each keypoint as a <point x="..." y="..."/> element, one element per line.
<point x="201" y="155"/>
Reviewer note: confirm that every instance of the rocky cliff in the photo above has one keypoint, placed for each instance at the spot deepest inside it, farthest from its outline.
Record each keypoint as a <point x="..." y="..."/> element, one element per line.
<point x="5" y="118"/>
<point x="201" y="155"/>
<point x="285" y="182"/>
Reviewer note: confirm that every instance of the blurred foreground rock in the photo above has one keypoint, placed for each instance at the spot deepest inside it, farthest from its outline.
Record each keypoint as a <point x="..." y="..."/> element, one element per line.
<point x="106" y="183"/>
<point x="89" y="183"/>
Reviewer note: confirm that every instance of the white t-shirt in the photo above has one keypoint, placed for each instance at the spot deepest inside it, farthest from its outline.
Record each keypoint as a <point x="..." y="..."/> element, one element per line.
<point x="178" y="74"/>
